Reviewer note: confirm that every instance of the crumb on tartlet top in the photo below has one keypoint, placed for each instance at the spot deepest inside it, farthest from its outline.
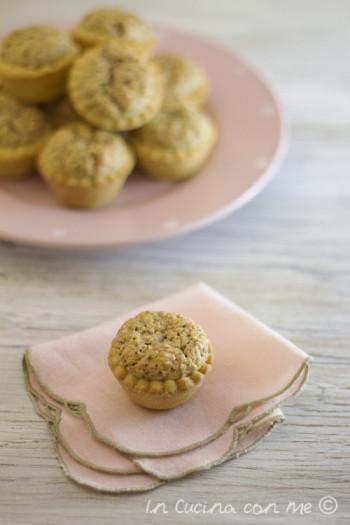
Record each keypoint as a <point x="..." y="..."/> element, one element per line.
<point x="176" y="127"/>
<point x="115" y="90"/>
<point x="184" y="80"/>
<point x="114" y="23"/>
<point x="158" y="346"/>
<point x="78" y="152"/>
<point x="36" y="47"/>
<point x="20" y="125"/>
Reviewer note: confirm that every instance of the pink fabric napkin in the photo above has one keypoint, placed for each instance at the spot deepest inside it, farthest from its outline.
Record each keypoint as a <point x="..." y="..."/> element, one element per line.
<point x="106" y="473"/>
<point x="77" y="439"/>
<point x="254" y="370"/>
<point x="139" y="483"/>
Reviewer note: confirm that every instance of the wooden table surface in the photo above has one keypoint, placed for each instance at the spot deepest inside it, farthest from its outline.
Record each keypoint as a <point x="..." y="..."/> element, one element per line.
<point x="285" y="257"/>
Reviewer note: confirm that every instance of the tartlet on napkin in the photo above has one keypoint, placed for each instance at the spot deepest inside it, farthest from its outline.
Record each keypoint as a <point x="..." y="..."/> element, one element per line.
<point x="160" y="359"/>
<point x="255" y="370"/>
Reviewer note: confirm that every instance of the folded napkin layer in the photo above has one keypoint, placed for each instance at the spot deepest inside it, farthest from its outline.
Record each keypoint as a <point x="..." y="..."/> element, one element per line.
<point x="254" y="370"/>
<point x="76" y="438"/>
<point x="139" y="483"/>
<point x="228" y="447"/>
<point x="102" y="481"/>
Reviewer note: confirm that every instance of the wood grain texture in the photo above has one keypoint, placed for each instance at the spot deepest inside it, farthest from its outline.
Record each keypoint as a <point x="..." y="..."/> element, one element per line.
<point x="285" y="257"/>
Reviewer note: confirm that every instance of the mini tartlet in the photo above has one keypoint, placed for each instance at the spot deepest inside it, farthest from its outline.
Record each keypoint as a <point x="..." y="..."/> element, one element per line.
<point x="85" y="167"/>
<point x="185" y="81"/>
<point x="23" y="131"/>
<point x="34" y="63"/>
<point x="128" y="31"/>
<point x="160" y="359"/>
<point x="176" y="143"/>
<point x="113" y="90"/>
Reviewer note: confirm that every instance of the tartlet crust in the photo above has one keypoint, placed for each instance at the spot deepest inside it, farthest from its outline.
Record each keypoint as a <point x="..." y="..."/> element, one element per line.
<point x="184" y="80"/>
<point x="176" y="143"/>
<point x="128" y="31"/>
<point x="23" y="132"/>
<point x="30" y="82"/>
<point x="113" y="90"/>
<point x="85" y="167"/>
<point x="156" y="371"/>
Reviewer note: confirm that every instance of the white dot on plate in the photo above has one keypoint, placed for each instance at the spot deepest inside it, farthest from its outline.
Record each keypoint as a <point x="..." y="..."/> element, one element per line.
<point x="59" y="232"/>
<point x="170" y="225"/>
<point x="260" y="163"/>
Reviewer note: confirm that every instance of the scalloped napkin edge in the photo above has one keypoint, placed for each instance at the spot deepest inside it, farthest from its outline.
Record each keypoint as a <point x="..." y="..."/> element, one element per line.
<point x="243" y="440"/>
<point x="76" y="437"/>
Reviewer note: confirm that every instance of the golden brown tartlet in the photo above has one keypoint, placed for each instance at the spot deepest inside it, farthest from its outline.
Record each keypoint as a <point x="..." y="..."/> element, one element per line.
<point x="176" y="143"/>
<point x="160" y="359"/>
<point x="185" y="81"/>
<point x="23" y="131"/>
<point x="115" y="91"/>
<point x="34" y="63"/>
<point x="128" y="31"/>
<point x="85" y="167"/>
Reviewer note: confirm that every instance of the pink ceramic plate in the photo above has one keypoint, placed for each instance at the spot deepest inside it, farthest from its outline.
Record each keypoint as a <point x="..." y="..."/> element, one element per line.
<point x="245" y="158"/>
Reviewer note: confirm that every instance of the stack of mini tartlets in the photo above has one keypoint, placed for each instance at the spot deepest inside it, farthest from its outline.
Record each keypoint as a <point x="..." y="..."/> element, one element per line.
<point x="84" y="106"/>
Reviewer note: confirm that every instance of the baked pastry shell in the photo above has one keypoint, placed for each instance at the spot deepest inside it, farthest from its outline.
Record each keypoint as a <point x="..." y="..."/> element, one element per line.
<point x="142" y="49"/>
<point x="37" y="86"/>
<point x="171" y="164"/>
<point x="19" y="163"/>
<point x="195" y="96"/>
<point x="159" y="395"/>
<point x="198" y="97"/>
<point x="85" y="193"/>
<point x="89" y="197"/>
<point x="125" y="122"/>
